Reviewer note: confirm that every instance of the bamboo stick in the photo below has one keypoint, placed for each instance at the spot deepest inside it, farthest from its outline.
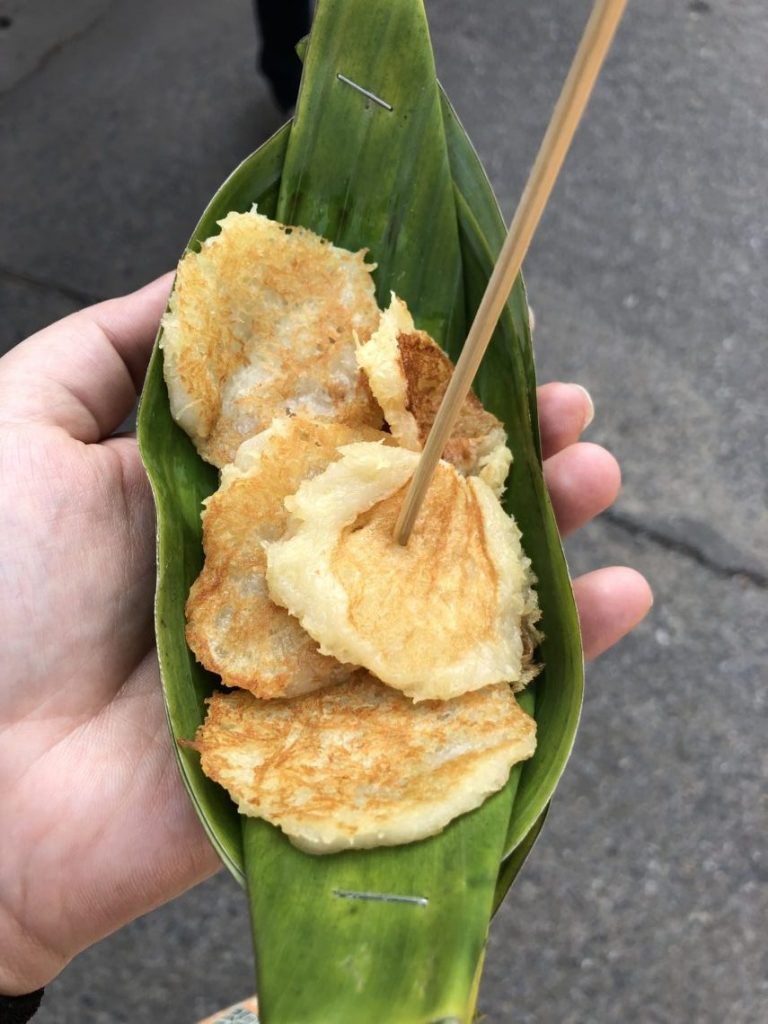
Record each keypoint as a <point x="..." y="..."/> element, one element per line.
<point x="590" y="55"/>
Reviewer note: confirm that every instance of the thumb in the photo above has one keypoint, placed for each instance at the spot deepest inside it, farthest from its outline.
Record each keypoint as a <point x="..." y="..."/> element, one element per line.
<point x="84" y="372"/>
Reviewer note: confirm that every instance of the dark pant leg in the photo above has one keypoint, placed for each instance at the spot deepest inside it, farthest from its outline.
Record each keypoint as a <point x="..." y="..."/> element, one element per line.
<point x="282" y="24"/>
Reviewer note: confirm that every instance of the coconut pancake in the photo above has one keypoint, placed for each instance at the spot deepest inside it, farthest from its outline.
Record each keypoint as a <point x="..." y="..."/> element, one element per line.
<point x="360" y="765"/>
<point x="233" y="627"/>
<point x="408" y="373"/>
<point x="436" y="618"/>
<point x="261" y="323"/>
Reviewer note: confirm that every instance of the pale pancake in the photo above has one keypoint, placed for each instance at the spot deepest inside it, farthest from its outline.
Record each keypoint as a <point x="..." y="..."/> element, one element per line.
<point x="233" y="627"/>
<point x="360" y="765"/>
<point x="261" y="324"/>
<point x="408" y="374"/>
<point x="436" y="618"/>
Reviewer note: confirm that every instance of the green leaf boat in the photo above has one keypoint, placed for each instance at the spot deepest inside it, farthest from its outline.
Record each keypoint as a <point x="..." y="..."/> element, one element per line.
<point x="393" y="172"/>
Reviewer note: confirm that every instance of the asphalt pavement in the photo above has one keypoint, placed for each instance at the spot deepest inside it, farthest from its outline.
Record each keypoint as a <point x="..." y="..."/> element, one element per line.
<point x="645" y="899"/>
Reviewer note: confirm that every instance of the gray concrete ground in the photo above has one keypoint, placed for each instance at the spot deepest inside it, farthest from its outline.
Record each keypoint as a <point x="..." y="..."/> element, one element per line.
<point x="645" y="900"/>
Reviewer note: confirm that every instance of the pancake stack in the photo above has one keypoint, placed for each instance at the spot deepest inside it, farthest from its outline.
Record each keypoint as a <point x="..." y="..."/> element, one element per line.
<point x="371" y="686"/>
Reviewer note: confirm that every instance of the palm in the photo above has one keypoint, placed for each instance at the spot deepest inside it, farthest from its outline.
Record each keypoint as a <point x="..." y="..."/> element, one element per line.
<point x="99" y="824"/>
<point x="94" y="800"/>
<point x="99" y="828"/>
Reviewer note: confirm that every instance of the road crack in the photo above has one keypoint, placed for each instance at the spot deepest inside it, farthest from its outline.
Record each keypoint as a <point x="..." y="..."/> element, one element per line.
<point x="61" y="44"/>
<point x="689" y="550"/>
<point x="41" y="284"/>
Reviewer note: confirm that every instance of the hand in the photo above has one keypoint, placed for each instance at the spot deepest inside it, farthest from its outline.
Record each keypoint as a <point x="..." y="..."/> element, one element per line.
<point x="583" y="480"/>
<point x="97" y="826"/>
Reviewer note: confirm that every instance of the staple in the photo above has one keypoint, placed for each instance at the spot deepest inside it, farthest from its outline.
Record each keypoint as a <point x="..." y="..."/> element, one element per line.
<point x="381" y="897"/>
<point x="365" y="92"/>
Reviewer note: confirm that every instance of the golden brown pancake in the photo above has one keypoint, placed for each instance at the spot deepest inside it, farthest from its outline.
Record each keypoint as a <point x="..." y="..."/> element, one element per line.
<point x="360" y="765"/>
<point x="437" y="618"/>
<point x="261" y="324"/>
<point x="408" y="374"/>
<point x="233" y="627"/>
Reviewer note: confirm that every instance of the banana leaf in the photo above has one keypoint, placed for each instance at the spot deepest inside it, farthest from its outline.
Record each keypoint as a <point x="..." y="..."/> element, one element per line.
<point x="405" y="183"/>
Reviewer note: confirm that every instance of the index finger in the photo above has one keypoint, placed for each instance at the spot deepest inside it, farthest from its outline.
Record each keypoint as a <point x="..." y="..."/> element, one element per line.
<point x="565" y="410"/>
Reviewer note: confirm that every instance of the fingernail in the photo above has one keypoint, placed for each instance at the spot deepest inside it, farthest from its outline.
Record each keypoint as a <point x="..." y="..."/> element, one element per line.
<point x="590" y="405"/>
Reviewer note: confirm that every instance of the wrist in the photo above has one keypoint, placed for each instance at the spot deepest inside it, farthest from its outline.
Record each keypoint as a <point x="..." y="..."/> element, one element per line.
<point x="15" y="984"/>
<point x="26" y="964"/>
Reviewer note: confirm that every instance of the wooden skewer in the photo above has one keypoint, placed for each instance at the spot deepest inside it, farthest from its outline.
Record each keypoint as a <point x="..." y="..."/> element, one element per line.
<point x="575" y="94"/>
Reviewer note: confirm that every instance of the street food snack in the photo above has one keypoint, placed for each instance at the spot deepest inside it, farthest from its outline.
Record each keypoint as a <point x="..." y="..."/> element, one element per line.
<point x="233" y="626"/>
<point x="261" y="323"/>
<point x="360" y="765"/>
<point x="439" y="617"/>
<point x="371" y="685"/>
<point x="408" y="374"/>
